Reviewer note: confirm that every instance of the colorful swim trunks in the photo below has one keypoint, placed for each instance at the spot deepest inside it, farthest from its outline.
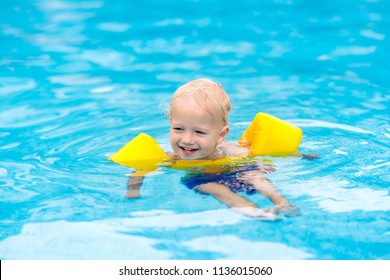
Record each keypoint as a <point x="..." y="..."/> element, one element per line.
<point x="231" y="179"/>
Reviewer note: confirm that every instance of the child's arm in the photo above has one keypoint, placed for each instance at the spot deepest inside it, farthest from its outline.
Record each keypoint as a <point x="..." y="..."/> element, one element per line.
<point x="224" y="195"/>
<point x="264" y="186"/>
<point x="136" y="179"/>
<point x="243" y="151"/>
<point x="134" y="184"/>
<point x="305" y="156"/>
<point x="236" y="202"/>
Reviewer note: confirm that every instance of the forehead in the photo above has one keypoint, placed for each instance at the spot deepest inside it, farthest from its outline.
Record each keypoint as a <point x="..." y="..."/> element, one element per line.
<point x="189" y="105"/>
<point x="191" y="112"/>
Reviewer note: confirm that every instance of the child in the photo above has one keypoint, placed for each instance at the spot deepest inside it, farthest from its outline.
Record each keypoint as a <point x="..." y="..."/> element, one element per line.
<point x="198" y="117"/>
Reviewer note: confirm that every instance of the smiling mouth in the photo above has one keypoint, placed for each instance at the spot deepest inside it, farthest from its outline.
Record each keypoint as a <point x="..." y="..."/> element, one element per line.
<point x="188" y="151"/>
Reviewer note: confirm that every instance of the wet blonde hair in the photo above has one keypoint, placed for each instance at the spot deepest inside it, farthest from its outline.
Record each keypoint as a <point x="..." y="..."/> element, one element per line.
<point x="209" y="95"/>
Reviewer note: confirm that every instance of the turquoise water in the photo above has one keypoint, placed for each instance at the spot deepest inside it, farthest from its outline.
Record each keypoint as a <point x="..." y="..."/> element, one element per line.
<point x="78" y="79"/>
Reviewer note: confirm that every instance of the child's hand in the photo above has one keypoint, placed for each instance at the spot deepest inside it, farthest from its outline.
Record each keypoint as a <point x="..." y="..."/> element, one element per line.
<point x="257" y="213"/>
<point x="132" y="194"/>
<point x="288" y="210"/>
<point x="133" y="186"/>
<point x="310" y="156"/>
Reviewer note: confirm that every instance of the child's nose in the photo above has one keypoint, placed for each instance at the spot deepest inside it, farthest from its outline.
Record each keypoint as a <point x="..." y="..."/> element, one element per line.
<point x="188" y="138"/>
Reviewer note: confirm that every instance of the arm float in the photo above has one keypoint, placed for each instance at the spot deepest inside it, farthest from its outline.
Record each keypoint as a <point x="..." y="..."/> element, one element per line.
<point x="144" y="155"/>
<point x="141" y="153"/>
<point x="270" y="136"/>
<point x="266" y="135"/>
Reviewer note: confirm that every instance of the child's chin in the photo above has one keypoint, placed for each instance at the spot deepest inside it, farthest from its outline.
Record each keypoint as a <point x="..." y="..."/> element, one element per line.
<point x="190" y="157"/>
<point x="185" y="157"/>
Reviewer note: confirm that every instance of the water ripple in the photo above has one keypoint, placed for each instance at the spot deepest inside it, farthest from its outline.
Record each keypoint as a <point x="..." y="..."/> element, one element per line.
<point x="113" y="26"/>
<point x="77" y="79"/>
<point x="317" y="123"/>
<point x="81" y="78"/>
<point x="10" y="85"/>
<point x="193" y="49"/>
<point x="24" y="116"/>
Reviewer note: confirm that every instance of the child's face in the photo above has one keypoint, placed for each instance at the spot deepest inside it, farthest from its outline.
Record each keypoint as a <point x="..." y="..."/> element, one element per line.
<point x="194" y="133"/>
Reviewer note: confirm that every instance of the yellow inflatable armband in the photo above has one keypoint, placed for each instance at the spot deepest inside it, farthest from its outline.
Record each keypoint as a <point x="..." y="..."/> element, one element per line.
<point x="266" y="135"/>
<point x="208" y="166"/>
<point x="270" y="136"/>
<point x="141" y="153"/>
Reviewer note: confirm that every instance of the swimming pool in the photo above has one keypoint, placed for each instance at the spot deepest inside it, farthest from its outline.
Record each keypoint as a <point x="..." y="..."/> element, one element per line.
<point x="81" y="78"/>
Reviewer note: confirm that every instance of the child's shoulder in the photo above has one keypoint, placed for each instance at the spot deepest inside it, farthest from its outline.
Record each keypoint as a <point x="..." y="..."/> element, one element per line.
<point x="172" y="155"/>
<point x="232" y="150"/>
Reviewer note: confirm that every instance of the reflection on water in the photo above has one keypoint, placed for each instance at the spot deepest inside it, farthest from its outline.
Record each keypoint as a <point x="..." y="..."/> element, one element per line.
<point x="124" y="239"/>
<point x="81" y="78"/>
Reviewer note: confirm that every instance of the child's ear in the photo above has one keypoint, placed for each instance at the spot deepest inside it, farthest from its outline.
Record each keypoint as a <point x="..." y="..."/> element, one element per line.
<point x="222" y="135"/>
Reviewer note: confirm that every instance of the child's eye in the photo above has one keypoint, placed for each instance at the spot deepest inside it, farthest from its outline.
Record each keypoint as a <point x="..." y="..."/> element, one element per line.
<point x="200" y="132"/>
<point x="178" y="129"/>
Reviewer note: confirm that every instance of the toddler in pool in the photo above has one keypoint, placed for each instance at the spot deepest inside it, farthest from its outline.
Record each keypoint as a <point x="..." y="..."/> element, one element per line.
<point x="198" y="117"/>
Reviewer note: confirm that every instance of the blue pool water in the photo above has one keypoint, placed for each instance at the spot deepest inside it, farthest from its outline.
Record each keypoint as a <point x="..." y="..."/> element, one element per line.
<point x="78" y="79"/>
